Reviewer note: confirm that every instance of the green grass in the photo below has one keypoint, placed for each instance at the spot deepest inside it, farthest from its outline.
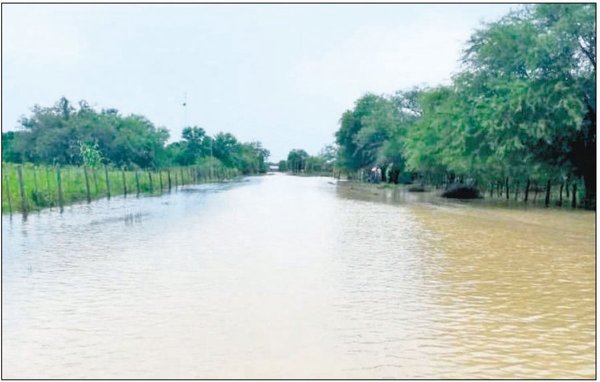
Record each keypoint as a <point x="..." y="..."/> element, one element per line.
<point x="40" y="183"/>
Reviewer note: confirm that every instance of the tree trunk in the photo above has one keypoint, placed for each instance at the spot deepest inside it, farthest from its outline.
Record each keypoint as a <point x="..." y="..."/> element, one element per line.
<point x="589" y="163"/>
<point x="589" y="181"/>
<point x="583" y="155"/>
<point x="560" y="195"/>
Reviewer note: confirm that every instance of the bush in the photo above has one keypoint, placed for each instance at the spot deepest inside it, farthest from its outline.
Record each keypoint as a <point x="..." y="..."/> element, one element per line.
<point x="461" y="191"/>
<point x="416" y="188"/>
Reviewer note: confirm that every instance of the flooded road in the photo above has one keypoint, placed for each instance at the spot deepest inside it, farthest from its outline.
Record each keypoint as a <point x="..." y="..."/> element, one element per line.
<point x="291" y="277"/>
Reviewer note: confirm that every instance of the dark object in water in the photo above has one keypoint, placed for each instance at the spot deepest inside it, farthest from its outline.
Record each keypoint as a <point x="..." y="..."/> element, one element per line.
<point x="416" y="188"/>
<point x="461" y="191"/>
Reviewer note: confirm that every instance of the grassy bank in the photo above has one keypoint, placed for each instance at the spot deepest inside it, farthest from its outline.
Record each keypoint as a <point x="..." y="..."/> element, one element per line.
<point x="29" y="187"/>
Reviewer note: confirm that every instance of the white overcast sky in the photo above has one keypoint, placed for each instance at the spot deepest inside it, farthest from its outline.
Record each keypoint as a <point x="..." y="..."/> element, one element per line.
<point x="281" y="74"/>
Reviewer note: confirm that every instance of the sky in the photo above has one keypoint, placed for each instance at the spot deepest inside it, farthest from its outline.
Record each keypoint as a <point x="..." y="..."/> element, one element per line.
<point x="281" y="74"/>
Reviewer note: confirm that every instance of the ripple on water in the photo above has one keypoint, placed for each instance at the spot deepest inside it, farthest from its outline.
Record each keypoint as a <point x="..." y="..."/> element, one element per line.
<point x="291" y="277"/>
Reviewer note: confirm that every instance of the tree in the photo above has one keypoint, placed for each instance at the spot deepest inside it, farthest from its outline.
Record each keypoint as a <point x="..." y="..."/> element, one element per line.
<point x="538" y="66"/>
<point x="90" y="155"/>
<point x="193" y="146"/>
<point x="227" y="149"/>
<point x="296" y="160"/>
<point x="372" y="134"/>
<point x="328" y="155"/>
<point x="54" y="135"/>
<point x="76" y="135"/>
<point x="282" y="165"/>
<point x="356" y="148"/>
<point x="138" y="143"/>
<point x="9" y="151"/>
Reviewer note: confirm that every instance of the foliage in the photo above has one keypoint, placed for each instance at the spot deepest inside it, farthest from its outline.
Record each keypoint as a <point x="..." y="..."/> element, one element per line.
<point x="90" y="154"/>
<point x="296" y="160"/>
<point x="524" y="107"/>
<point x="282" y="165"/>
<point x="300" y="161"/>
<point x="8" y="150"/>
<point x="534" y="73"/>
<point x="68" y="135"/>
<point x="374" y="132"/>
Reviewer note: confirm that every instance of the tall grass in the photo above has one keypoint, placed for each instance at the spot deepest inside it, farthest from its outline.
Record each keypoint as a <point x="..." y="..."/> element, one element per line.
<point x="40" y="183"/>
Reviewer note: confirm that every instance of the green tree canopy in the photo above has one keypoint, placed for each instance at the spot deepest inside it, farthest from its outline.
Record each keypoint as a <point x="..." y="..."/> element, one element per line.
<point x="74" y="135"/>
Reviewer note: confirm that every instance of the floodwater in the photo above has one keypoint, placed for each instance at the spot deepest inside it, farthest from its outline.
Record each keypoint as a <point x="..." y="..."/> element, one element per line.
<point x="292" y="277"/>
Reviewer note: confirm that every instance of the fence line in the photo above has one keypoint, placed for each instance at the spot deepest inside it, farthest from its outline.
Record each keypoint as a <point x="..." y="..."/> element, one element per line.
<point x="549" y="189"/>
<point x="22" y="191"/>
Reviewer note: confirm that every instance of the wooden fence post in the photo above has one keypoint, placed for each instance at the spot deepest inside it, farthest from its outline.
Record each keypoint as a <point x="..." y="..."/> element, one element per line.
<point x="22" y="189"/>
<point x="137" y="183"/>
<point x="95" y="177"/>
<point x="61" y="198"/>
<point x="7" y="189"/>
<point x="560" y="194"/>
<point x="107" y="181"/>
<point x="124" y="182"/>
<point x="48" y="181"/>
<point x="35" y="182"/>
<point x="87" y="184"/>
<point x="547" y="201"/>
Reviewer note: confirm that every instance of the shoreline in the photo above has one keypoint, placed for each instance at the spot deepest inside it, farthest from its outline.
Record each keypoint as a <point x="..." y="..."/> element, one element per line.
<point x="400" y="194"/>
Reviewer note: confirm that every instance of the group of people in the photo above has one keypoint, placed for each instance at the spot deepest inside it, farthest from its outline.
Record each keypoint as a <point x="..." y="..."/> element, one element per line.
<point x="375" y="175"/>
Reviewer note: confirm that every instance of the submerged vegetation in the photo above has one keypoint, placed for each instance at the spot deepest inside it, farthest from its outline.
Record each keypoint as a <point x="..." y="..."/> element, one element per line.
<point x="521" y="113"/>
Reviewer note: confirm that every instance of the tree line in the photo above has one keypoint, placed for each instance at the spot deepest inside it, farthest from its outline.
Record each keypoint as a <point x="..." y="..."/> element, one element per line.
<point x="300" y="162"/>
<point x="522" y="109"/>
<point x="68" y="134"/>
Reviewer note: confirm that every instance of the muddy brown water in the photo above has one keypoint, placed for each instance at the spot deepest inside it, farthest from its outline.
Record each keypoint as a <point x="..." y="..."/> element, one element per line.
<point x="289" y="277"/>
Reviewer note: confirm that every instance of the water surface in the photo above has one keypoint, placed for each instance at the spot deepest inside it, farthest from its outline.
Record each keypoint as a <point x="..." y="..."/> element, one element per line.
<point x="291" y="277"/>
